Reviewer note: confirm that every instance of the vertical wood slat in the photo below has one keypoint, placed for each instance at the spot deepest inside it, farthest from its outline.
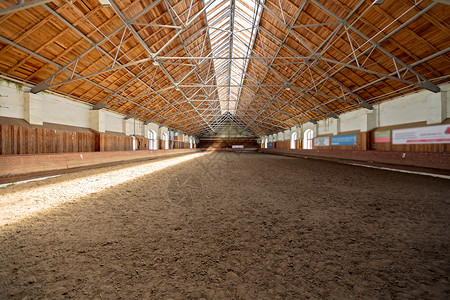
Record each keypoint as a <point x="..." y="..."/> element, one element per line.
<point x="31" y="140"/>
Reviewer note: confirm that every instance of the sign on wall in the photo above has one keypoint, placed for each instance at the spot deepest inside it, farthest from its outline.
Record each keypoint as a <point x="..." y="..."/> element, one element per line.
<point x="237" y="146"/>
<point x="270" y="145"/>
<point x="343" y="140"/>
<point x="322" y="141"/>
<point x="383" y="136"/>
<point x="422" y="135"/>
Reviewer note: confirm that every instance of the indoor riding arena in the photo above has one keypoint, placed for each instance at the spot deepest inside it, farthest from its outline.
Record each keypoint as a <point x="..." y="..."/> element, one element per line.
<point x="224" y="149"/>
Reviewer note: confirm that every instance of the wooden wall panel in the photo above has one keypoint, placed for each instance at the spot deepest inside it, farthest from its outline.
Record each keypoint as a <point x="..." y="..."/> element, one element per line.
<point x="142" y="143"/>
<point x="227" y="143"/>
<point x="29" y="140"/>
<point x="283" y="144"/>
<point x="115" y="143"/>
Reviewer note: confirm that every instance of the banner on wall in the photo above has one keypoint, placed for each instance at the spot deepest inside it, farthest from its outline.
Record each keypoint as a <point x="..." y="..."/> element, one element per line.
<point x="343" y="140"/>
<point x="422" y="135"/>
<point x="269" y="145"/>
<point x="237" y="146"/>
<point x="383" y="136"/>
<point x="322" y="141"/>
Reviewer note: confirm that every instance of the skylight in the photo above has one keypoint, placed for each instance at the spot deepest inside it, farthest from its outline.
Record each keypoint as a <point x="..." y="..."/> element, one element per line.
<point x="232" y="26"/>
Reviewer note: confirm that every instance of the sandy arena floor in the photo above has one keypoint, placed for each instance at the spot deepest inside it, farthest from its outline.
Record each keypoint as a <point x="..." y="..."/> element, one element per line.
<point x="228" y="226"/>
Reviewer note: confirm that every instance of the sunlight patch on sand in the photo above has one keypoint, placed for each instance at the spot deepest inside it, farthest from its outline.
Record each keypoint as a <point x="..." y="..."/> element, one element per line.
<point x="19" y="205"/>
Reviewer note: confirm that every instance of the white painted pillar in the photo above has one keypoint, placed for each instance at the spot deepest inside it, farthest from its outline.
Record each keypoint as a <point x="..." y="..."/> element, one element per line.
<point x="124" y="126"/>
<point x="97" y="120"/>
<point x="437" y="107"/>
<point x="144" y="130"/>
<point x="335" y="126"/>
<point x="447" y="105"/>
<point x="33" y="108"/>
<point x="128" y="127"/>
<point x="369" y="121"/>
<point x="315" y="130"/>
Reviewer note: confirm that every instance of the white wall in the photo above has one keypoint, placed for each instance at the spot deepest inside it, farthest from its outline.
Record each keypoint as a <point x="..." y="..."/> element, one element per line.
<point x="17" y="102"/>
<point x="113" y="122"/>
<point x="63" y="111"/>
<point x="11" y="100"/>
<point x="422" y="106"/>
<point x="407" y="109"/>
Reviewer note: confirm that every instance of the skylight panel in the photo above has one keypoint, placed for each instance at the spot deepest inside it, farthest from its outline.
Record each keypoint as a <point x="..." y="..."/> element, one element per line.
<point x="230" y="69"/>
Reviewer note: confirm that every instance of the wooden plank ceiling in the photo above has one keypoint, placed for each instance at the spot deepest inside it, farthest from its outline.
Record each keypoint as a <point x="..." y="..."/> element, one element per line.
<point x="191" y="64"/>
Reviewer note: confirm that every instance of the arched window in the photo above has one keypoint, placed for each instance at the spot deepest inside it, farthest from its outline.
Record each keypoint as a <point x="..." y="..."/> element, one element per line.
<point x="166" y="141"/>
<point x="152" y="140"/>
<point x="190" y="143"/>
<point x="265" y="143"/>
<point x="308" y="139"/>
<point x="293" y="139"/>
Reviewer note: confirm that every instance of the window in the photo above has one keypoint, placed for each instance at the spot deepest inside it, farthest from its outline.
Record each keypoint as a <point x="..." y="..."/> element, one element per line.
<point x="308" y="139"/>
<point x="293" y="140"/>
<point x="152" y="140"/>
<point x="190" y="143"/>
<point x="134" y="143"/>
<point x="265" y="143"/>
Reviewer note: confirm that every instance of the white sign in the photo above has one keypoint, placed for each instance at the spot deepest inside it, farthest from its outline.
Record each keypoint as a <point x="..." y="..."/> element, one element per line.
<point x="238" y="146"/>
<point x="422" y="135"/>
<point x="322" y="141"/>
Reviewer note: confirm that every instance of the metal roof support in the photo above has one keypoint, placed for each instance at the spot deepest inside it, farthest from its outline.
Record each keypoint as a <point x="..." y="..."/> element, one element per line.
<point x="276" y="99"/>
<point x="144" y="44"/>
<point x="292" y="21"/>
<point x="168" y="7"/>
<point x="185" y="26"/>
<point x="101" y="104"/>
<point x="367" y="50"/>
<point x="5" y="40"/>
<point x="314" y="53"/>
<point x="442" y="52"/>
<point x="426" y="83"/>
<point x="45" y="84"/>
<point x="21" y="6"/>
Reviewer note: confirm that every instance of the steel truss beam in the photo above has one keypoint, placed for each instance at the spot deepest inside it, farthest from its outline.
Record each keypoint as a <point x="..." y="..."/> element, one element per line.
<point x="23" y="5"/>
<point x="426" y="83"/>
<point x="202" y="96"/>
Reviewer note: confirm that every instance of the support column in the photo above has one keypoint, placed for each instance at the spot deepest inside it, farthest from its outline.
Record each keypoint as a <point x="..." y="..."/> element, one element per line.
<point x="97" y="120"/>
<point x="437" y="107"/>
<point x="127" y="127"/>
<point x="369" y="121"/>
<point x="315" y="130"/>
<point x="144" y="130"/>
<point x="33" y="108"/>
<point x="335" y="126"/>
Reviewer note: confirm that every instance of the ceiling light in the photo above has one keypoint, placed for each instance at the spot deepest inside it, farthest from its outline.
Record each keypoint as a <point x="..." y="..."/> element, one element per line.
<point x="104" y="2"/>
<point x="378" y="2"/>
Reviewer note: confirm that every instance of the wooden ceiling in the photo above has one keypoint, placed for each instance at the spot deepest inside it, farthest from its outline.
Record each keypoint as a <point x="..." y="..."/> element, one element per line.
<point x="165" y="61"/>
